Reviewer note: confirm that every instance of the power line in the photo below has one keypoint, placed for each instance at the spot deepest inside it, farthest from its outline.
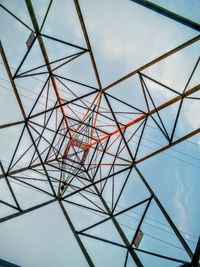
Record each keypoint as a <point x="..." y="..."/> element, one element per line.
<point x="130" y="216"/>
<point x="134" y="217"/>
<point x="40" y="80"/>
<point x="131" y="228"/>
<point x="122" y="208"/>
<point x="183" y="153"/>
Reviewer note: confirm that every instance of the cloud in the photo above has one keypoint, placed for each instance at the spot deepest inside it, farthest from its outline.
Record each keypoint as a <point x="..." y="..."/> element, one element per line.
<point x="191" y="114"/>
<point x="180" y="202"/>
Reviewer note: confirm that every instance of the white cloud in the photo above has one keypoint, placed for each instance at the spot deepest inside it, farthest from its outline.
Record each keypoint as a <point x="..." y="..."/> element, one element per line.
<point x="180" y="202"/>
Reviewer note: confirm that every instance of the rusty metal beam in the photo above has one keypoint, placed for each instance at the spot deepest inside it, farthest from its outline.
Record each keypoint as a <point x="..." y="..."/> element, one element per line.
<point x="151" y="112"/>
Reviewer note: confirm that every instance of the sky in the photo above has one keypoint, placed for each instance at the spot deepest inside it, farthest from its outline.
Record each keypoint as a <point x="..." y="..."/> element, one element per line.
<point x="124" y="36"/>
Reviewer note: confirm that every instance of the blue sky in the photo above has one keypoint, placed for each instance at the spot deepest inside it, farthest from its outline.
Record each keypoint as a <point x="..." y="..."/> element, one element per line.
<point x="124" y="36"/>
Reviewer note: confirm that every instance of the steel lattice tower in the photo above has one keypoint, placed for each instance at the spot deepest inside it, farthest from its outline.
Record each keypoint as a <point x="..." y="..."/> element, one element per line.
<point x="80" y="142"/>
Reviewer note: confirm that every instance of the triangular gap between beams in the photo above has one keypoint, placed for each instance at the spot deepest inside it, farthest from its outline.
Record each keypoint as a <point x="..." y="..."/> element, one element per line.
<point x="130" y="92"/>
<point x="58" y="49"/>
<point x="66" y="29"/>
<point x="24" y="151"/>
<point x="130" y="220"/>
<point x="6" y="195"/>
<point x="166" y="71"/>
<point x="159" y="235"/>
<point x="79" y="70"/>
<point x="34" y="55"/>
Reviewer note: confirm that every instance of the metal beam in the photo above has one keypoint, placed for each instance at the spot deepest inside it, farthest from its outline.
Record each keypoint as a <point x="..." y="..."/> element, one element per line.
<point x="28" y="168"/>
<point x="167" y="217"/>
<point x="196" y="258"/>
<point x="11" y="124"/>
<point x="154" y="61"/>
<point x="3" y="55"/>
<point x="80" y="243"/>
<point x="125" y="240"/>
<point x="45" y="55"/>
<point x="178" y="141"/>
<point x="12" y="216"/>
<point x="84" y="30"/>
<point x="169" y="14"/>
<point x="151" y="112"/>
